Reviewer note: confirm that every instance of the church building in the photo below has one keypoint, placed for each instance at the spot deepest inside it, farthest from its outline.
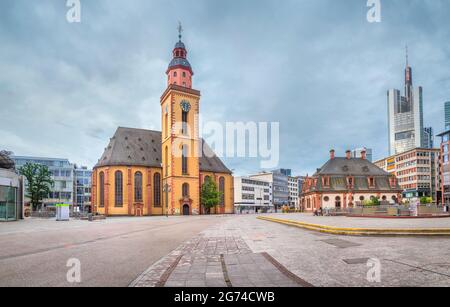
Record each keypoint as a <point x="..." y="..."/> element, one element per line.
<point x="144" y="173"/>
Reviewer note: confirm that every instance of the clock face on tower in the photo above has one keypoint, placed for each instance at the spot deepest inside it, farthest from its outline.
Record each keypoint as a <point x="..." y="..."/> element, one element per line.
<point x="185" y="106"/>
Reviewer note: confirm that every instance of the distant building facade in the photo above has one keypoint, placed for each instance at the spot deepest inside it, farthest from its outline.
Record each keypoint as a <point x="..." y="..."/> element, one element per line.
<point x="83" y="186"/>
<point x="356" y="153"/>
<point x="447" y="115"/>
<point x="445" y="167"/>
<point x="405" y="117"/>
<point x="346" y="182"/>
<point x="252" y="196"/>
<point x="293" y="192"/>
<point x="62" y="172"/>
<point x="417" y="171"/>
<point x="11" y="191"/>
<point x="280" y="187"/>
<point x="428" y="137"/>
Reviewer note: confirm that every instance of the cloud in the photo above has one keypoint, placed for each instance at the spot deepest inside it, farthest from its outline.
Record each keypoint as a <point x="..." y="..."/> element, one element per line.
<point x="317" y="67"/>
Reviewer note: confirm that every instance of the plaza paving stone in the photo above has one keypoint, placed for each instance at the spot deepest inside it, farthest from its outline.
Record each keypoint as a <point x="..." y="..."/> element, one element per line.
<point x="215" y="259"/>
<point x="309" y="255"/>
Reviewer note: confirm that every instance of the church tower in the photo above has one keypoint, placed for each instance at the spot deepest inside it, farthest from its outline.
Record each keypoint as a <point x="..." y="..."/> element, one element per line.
<point x="180" y="137"/>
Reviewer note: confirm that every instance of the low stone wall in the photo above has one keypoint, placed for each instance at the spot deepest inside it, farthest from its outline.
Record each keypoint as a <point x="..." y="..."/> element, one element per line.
<point x="401" y="211"/>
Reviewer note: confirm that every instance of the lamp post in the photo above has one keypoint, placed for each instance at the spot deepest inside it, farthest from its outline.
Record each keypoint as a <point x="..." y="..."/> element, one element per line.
<point x="166" y="190"/>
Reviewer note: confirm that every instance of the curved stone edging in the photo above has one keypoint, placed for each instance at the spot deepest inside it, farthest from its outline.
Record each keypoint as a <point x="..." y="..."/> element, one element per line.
<point x="362" y="231"/>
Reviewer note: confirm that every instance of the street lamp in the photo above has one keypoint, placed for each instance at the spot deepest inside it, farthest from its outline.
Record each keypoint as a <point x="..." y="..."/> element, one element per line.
<point x="167" y="189"/>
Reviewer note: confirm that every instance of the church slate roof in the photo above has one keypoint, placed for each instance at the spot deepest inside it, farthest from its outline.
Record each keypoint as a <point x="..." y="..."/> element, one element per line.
<point x="139" y="147"/>
<point x="180" y="62"/>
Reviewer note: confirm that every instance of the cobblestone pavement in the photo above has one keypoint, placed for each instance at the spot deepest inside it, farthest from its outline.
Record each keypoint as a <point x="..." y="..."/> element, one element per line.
<point x="261" y="253"/>
<point x="217" y="260"/>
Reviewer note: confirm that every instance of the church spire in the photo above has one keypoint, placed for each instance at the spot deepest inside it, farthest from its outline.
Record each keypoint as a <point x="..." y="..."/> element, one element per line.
<point x="180" y="70"/>
<point x="180" y="30"/>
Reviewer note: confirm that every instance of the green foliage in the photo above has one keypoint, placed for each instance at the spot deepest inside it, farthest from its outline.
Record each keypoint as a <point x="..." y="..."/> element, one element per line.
<point x="426" y="200"/>
<point x="210" y="196"/>
<point x="375" y="201"/>
<point x="372" y="202"/>
<point x="39" y="182"/>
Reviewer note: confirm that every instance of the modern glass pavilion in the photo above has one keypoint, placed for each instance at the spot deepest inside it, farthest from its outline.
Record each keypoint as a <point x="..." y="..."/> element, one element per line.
<point x="11" y="195"/>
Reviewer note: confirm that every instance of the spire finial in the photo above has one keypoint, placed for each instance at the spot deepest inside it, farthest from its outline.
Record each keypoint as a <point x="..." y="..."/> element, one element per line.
<point x="180" y="30"/>
<point x="407" y="55"/>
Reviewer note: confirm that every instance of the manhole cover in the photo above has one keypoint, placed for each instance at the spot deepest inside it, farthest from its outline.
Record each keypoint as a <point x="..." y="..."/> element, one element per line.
<point x="341" y="243"/>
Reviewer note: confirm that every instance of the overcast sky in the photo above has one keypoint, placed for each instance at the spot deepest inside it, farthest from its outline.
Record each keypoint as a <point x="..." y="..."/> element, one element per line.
<point x="316" y="66"/>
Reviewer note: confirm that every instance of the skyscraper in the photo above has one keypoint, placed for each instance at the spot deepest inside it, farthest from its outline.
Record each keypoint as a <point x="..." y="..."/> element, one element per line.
<point x="447" y="115"/>
<point x="428" y="138"/>
<point x="405" y="116"/>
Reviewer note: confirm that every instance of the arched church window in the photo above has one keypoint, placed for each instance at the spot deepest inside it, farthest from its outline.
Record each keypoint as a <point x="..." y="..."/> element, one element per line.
<point x="166" y="123"/>
<point x="138" y="187"/>
<point x="157" y="190"/>
<point x="184" y="159"/>
<point x="222" y="191"/>
<point x="102" y="190"/>
<point x="185" y="190"/>
<point x="184" y="120"/>
<point x="166" y="161"/>
<point x="118" y="191"/>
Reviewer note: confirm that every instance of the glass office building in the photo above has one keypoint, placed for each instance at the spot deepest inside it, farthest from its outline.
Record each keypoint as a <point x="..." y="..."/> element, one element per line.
<point x="62" y="172"/>
<point x="83" y="186"/>
<point x="447" y="115"/>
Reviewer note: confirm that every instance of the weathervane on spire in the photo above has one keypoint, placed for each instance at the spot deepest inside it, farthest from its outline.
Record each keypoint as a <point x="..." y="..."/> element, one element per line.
<point x="180" y="30"/>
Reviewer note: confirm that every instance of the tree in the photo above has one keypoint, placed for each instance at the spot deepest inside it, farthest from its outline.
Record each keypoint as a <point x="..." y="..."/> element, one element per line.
<point x="375" y="201"/>
<point x="210" y="196"/>
<point x="39" y="183"/>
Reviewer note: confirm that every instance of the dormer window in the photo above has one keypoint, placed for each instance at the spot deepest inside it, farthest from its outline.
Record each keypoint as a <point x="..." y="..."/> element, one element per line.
<point x="326" y="181"/>
<point x="371" y="182"/>
<point x="350" y="181"/>
<point x="393" y="182"/>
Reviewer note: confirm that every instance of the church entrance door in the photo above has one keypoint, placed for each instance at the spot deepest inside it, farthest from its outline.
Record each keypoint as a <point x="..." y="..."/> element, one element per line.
<point x="186" y="210"/>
